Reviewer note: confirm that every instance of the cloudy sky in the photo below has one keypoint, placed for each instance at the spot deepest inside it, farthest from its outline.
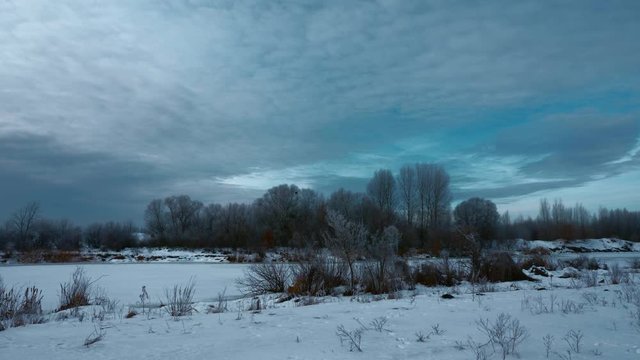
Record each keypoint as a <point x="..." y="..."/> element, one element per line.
<point x="105" y="105"/>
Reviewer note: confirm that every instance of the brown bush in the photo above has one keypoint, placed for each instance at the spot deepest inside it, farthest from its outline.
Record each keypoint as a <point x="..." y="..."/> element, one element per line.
<point x="75" y="292"/>
<point x="61" y="256"/>
<point x="583" y="262"/>
<point x="538" y="250"/>
<point x="428" y="275"/>
<point x="537" y="260"/>
<point x="317" y="277"/>
<point x="379" y="281"/>
<point x="19" y="308"/>
<point x="499" y="267"/>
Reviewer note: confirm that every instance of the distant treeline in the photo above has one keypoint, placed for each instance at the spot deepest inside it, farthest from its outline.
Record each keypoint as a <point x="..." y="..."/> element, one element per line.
<point x="416" y="200"/>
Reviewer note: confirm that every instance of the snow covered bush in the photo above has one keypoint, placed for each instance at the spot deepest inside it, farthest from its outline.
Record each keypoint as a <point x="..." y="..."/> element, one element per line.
<point x="179" y="299"/>
<point x="506" y="333"/>
<point x="589" y="278"/>
<point x="573" y="338"/>
<point x="378" y="273"/>
<point x="353" y="337"/>
<point x="539" y="260"/>
<point x="265" y="278"/>
<point x="19" y="309"/>
<point x="96" y="335"/>
<point x="76" y="292"/>
<point x="346" y="240"/>
<point x="547" y="340"/>
<point x="617" y="274"/>
<point x="221" y="304"/>
<point x="629" y="297"/>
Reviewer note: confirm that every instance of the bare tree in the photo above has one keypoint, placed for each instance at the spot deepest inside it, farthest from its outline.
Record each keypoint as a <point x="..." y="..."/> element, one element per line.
<point x="155" y="219"/>
<point x="407" y="187"/>
<point x="234" y="224"/>
<point x="182" y="213"/>
<point x="433" y="195"/>
<point x="347" y="240"/>
<point x="277" y="210"/>
<point x="347" y="203"/>
<point x="22" y="222"/>
<point x="381" y="189"/>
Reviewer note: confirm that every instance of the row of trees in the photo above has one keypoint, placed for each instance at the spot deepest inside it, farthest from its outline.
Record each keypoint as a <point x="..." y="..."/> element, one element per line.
<point x="558" y="221"/>
<point x="416" y="201"/>
<point x="27" y="229"/>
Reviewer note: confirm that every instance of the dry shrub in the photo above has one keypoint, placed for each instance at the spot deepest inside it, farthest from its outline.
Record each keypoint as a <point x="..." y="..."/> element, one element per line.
<point x="265" y="278"/>
<point x="30" y="257"/>
<point x="506" y="333"/>
<point x="617" y="275"/>
<point x="318" y="277"/>
<point x="76" y="292"/>
<point x="18" y="308"/>
<point x="538" y="260"/>
<point x="499" y="267"/>
<point x="538" y="250"/>
<point x="240" y="258"/>
<point x="402" y="267"/>
<point x="435" y="274"/>
<point x="351" y="337"/>
<point x="180" y="299"/>
<point x="61" y="256"/>
<point x="583" y="262"/>
<point x="377" y="279"/>
<point x="428" y="274"/>
<point x="96" y="335"/>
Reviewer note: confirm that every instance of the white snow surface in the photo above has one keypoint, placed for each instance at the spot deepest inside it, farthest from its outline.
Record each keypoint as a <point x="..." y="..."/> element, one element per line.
<point x="288" y="331"/>
<point x="586" y="245"/>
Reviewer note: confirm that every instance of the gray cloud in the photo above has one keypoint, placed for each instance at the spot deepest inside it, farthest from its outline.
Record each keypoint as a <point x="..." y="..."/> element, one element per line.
<point x="572" y="145"/>
<point x="153" y="97"/>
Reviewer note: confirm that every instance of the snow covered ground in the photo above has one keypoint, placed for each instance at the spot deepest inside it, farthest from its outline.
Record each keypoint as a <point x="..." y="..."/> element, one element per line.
<point x="582" y="246"/>
<point x="289" y="331"/>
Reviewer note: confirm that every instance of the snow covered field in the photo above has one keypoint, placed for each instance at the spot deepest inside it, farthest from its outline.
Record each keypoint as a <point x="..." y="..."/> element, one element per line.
<point x="289" y="331"/>
<point x="309" y="332"/>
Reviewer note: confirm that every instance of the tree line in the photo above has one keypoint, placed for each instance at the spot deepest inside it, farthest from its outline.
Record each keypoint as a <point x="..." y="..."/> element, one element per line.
<point x="417" y="201"/>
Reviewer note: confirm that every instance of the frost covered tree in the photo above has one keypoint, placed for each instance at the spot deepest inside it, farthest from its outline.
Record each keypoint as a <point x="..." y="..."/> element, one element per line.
<point x="381" y="251"/>
<point x="346" y="240"/>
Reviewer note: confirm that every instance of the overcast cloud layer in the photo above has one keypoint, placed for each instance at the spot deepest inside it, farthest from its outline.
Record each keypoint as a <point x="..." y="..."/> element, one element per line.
<point x="105" y="105"/>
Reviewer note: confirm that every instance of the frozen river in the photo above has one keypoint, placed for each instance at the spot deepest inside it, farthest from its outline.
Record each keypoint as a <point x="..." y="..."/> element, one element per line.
<point x="609" y="258"/>
<point x="124" y="281"/>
